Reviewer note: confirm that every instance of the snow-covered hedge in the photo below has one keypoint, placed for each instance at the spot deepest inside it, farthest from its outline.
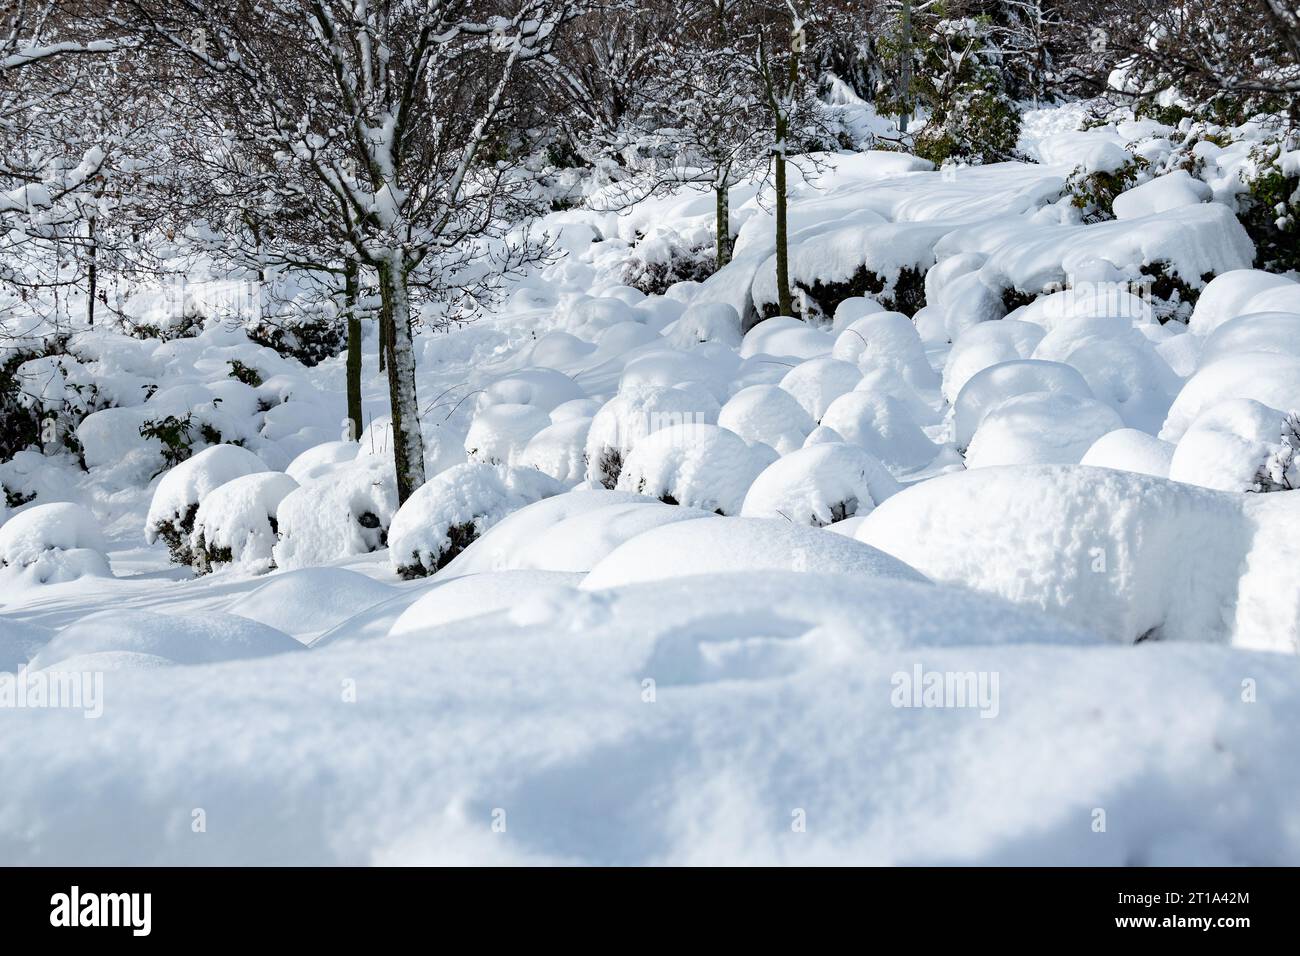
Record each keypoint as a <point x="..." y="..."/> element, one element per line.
<point x="177" y="498"/>
<point x="53" y="543"/>
<point x="821" y="484"/>
<point x="700" y="466"/>
<point x="453" y="509"/>
<point x="346" y="512"/>
<point x="236" y="523"/>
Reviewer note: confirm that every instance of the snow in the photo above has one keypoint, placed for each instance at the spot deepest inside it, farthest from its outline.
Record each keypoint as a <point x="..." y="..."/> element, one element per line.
<point x="1227" y="445"/>
<point x="820" y="484"/>
<point x="1128" y="449"/>
<point x="696" y="465"/>
<point x="710" y="546"/>
<point x="185" y="486"/>
<point x="343" y="513"/>
<point x="1161" y="194"/>
<point x="560" y="624"/>
<point x="986" y="390"/>
<point x="1039" y="428"/>
<point x="1118" y="553"/>
<point x="769" y="414"/>
<point x="239" y="517"/>
<point x="461" y="503"/>
<point x="52" y="543"/>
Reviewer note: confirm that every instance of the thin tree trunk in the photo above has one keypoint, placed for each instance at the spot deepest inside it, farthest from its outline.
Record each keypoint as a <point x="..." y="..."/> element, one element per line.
<point x="905" y="80"/>
<point x="408" y="444"/>
<point x="92" y="273"/>
<point x="350" y="295"/>
<point x="784" y="302"/>
<point x="722" y="193"/>
<point x="383" y="342"/>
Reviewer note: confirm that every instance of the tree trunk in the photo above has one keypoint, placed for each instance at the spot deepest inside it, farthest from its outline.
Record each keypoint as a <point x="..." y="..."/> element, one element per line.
<point x="784" y="302"/>
<point x="92" y="273"/>
<point x="350" y="296"/>
<point x="408" y="444"/>
<point x="722" y="193"/>
<point x="905" y="80"/>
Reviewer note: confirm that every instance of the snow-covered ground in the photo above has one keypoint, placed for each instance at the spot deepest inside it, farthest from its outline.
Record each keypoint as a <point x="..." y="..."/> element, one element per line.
<point x="993" y="582"/>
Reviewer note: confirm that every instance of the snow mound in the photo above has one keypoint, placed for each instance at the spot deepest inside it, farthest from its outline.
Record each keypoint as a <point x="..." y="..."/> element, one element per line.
<point x="543" y="388"/>
<point x="768" y="414"/>
<point x="700" y="466"/>
<point x="635" y="413"/>
<point x="310" y="601"/>
<point x="19" y="643"/>
<point x="1277" y="332"/>
<point x="462" y="598"/>
<point x="321" y="460"/>
<point x="36" y="534"/>
<point x="559" y="450"/>
<point x="785" y="337"/>
<point x="236" y="522"/>
<point x="1161" y="194"/>
<point x="1231" y="444"/>
<point x="182" y="639"/>
<point x="990" y="387"/>
<point x="1122" y="554"/>
<point x="183" y="488"/>
<point x="707" y="322"/>
<point x="1266" y="377"/>
<point x="1127" y="449"/>
<point x="342" y="514"/>
<point x="1237" y="292"/>
<point x="886" y="340"/>
<point x="819" y="485"/>
<point x="986" y="344"/>
<point x="710" y="546"/>
<point x="817" y="382"/>
<point x="452" y="509"/>
<point x="1040" y="428"/>
<point x="883" y="426"/>
<point x="500" y="432"/>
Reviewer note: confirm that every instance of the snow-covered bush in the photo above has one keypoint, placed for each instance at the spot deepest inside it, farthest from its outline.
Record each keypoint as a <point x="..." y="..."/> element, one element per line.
<point x="1127" y="449"/>
<point x="53" y="543"/>
<point x="986" y="344"/>
<point x="559" y="450"/>
<point x="311" y="339"/>
<point x="1266" y="377"/>
<point x="993" y="385"/>
<point x="346" y="512"/>
<point x="500" y="432"/>
<point x="1239" y="445"/>
<point x="819" y="485"/>
<point x="882" y="425"/>
<point x="1040" y="428"/>
<point x="767" y="414"/>
<point x="658" y="263"/>
<point x="697" y="465"/>
<point x="817" y="382"/>
<point x="451" y="510"/>
<point x="634" y="413"/>
<point x="177" y="498"/>
<point x="1107" y="173"/>
<point x="706" y="322"/>
<point x="886" y="340"/>
<point x="542" y="388"/>
<point x="236" y="523"/>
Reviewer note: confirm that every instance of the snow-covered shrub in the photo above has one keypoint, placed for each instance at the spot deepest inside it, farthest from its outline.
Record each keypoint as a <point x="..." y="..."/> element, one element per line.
<point x="995" y="384"/>
<point x="559" y="450"/>
<point x="767" y="414"/>
<point x="311" y="339"/>
<point x="785" y="337"/>
<point x="500" y="432"/>
<point x="1257" y="332"/>
<point x="661" y="262"/>
<point x="696" y="465"/>
<point x="177" y="498"/>
<point x="972" y="118"/>
<point x="53" y="543"/>
<point x="706" y="322"/>
<point x="1107" y="172"/>
<point x="817" y="382"/>
<point x="542" y="388"/>
<point x="1266" y="377"/>
<point x="886" y="340"/>
<point x="1239" y="445"/>
<point x="1127" y="556"/>
<point x="321" y="459"/>
<point x="1040" y="428"/>
<point x="819" y="485"/>
<point x="449" y="512"/>
<point x="1127" y="449"/>
<point x="1270" y="209"/>
<point x="236" y="523"/>
<point x="741" y="547"/>
<point x="986" y="344"/>
<point x="43" y="389"/>
<point x="708" y="368"/>
<point x="344" y="513"/>
<point x="882" y="425"/>
<point x="634" y="413"/>
<point x="1242" y="292"/>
